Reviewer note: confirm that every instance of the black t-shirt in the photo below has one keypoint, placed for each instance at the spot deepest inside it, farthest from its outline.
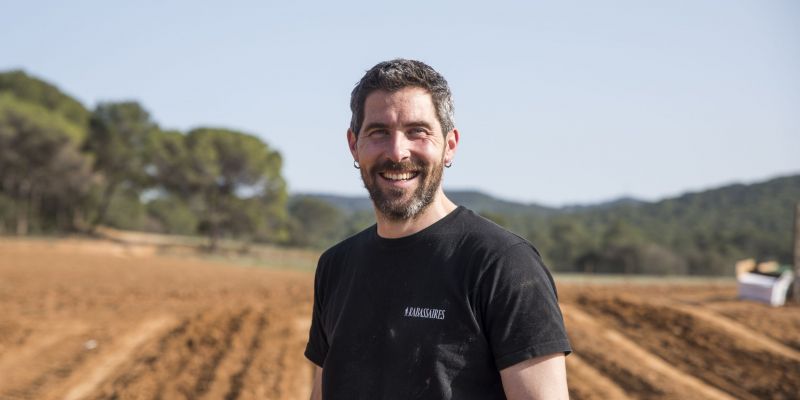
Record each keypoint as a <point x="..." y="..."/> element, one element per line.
<point x="434" y="315"/>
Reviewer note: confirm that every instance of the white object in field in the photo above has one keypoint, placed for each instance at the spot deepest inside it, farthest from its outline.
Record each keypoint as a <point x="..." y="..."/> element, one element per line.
<point x="768" y="289"/>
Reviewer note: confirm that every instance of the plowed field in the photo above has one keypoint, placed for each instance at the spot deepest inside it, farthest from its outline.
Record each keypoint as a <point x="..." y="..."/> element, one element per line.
<point x="90" y="320"/>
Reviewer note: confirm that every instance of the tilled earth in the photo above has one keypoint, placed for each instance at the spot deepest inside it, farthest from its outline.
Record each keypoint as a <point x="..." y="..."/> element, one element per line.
<point x="92" y="320"/>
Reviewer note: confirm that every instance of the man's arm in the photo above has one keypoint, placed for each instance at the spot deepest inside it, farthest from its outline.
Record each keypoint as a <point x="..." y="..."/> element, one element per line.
<point x="542" y="377"/>
<point x="316" y="390"/>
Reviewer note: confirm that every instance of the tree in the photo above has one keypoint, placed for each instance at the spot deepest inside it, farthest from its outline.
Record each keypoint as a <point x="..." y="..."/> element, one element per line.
<point x="569" y="240"/>
<point x="620" y="246"/>
<point x="118" y="138"/>
<point x="231" y="179"/>
<point x="316" y="223"/>
<point x="657" y="260"/>
<point x="169" y="214"/>
<point x="41" y="168"/>
<point x="36" y="91"/>
<point x="357" y="221"/>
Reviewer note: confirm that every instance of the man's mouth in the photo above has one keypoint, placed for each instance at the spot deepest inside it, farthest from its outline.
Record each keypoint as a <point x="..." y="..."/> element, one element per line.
<point x="399" y="176"/>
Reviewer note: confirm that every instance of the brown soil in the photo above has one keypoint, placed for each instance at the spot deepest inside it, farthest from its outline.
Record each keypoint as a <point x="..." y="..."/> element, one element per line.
<point x="96" y="320"/>
<point x="80" y="324"/>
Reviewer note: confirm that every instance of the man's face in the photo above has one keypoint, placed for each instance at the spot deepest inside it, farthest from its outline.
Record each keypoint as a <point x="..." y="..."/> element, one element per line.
<point x="401" y="150"/>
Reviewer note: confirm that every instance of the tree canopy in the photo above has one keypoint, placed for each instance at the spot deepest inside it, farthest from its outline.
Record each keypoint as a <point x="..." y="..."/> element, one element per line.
<point x="42" y="170"/>
<point x="32" y="90"/>
<point x="64" y="168"/>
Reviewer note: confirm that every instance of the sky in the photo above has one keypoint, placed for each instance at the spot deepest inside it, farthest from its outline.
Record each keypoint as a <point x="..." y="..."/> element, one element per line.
<point x="568" y="102"/>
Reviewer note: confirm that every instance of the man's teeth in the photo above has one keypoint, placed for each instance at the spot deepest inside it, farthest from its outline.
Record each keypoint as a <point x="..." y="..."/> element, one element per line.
<point x="399" y="176"/>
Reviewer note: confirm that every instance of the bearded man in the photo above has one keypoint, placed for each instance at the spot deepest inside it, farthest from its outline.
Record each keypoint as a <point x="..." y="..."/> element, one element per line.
<point x="433" y="301"/>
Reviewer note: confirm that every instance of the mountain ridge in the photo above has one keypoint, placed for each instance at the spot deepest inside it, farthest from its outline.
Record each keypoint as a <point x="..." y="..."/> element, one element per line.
<point x="481" y="201"/>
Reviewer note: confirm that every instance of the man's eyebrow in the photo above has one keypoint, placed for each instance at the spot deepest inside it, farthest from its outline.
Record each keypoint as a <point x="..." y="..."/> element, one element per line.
<point x="421" y="124"/>
<point x="375" y="125"/>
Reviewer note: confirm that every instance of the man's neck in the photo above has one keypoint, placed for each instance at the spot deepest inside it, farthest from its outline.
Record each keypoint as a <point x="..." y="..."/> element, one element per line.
<point x="393" y="229"/>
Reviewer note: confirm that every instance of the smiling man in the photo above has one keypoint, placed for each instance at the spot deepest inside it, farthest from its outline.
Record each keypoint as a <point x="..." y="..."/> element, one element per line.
<point x="433" y="301"/>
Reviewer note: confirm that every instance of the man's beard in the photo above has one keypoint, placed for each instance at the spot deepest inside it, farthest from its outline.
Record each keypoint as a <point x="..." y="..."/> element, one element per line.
<point x="389" y="201"/>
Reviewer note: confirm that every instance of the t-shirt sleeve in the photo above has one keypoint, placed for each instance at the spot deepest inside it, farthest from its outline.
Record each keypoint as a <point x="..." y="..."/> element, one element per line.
<point x="520" y="310"/>
<point x="317" y="347"/>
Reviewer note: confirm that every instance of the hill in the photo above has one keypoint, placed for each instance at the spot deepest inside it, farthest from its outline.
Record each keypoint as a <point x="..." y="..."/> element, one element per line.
<point x="698" y="233"/>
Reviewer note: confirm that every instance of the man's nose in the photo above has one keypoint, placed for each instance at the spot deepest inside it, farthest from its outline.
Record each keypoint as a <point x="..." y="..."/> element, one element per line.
<point x="399" y="147"/>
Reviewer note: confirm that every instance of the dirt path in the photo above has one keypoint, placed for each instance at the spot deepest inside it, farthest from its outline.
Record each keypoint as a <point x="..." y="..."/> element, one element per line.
<point x="33" y="352"/>
<point x="90" y="376"/>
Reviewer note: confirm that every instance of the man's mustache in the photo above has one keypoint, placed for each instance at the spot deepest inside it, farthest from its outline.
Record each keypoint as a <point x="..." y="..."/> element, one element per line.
<point x="402" y="166"/>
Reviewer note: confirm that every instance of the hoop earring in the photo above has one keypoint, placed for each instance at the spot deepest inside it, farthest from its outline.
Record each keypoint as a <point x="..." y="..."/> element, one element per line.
<point x="448" y="164"/>
<point x="356" y="165"/>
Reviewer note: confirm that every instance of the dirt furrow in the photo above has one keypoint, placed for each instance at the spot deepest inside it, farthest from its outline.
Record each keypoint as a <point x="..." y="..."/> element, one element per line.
<point x="209" y="369"/>
<point x="648" y="376"/>
<point x="172" y="366"/>
<point x="234" y="352"/>
<point x="749" y="337"/>
<point x="781" y="324"/>
<point x="237" y="378"/>
<point x="146" y="373"/>
<point x="697" y="347"/>
<point x="90" y="376"/>
<point x="587" y="383"/>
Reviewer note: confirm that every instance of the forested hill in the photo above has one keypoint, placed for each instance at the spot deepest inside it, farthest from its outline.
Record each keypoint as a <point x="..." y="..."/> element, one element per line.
<point x="710" y="229"/>
<point x="731" y="197"/>
<point x="700" y="233"/>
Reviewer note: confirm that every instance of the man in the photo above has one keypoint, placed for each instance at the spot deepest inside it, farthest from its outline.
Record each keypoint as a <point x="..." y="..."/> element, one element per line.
<point x="434" y="301"/>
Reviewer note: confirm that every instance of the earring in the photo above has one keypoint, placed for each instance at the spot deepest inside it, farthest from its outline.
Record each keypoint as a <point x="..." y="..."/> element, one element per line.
<point x="356" y="165"/>
<point x="448" y="164"/>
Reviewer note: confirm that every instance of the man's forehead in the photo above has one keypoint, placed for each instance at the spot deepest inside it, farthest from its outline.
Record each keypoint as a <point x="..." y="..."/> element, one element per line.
<point x="407" y="99"/>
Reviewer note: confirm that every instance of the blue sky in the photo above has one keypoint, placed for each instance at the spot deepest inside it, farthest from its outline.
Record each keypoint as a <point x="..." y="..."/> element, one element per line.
<point x="557" y="103"/>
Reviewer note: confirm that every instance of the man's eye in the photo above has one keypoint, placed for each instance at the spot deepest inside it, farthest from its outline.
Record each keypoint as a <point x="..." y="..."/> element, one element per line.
<point x="377" y="133"/>
<point x="418" y="131"/>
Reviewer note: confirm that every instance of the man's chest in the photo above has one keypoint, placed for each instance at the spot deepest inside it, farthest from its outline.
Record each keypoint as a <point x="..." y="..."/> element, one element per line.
<point x="398" y="304"/>
<point x="406" y="324"/>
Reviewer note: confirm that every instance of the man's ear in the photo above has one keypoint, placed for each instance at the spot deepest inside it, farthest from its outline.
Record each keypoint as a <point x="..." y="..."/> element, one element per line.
<point x="451" y="143"/>
<point x="352" y="141"/>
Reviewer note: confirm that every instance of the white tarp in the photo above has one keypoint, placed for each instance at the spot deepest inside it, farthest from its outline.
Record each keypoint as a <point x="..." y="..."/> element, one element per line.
<point x="764" y="288"/>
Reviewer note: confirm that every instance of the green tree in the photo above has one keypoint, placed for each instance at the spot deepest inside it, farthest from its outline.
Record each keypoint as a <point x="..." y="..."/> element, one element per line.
<point x="36" y="91"/>
<point x="42" y="171"/>
<point x="657" y="260"/>
<point x="232" y="181"/>
<point x="620" y="246"/>
<point x="169" y="214"/>
<point x="118" y="138"/>
<point x="357" y="221"/>
<point x="569" y="240"/>
<point x="316" y="223"/>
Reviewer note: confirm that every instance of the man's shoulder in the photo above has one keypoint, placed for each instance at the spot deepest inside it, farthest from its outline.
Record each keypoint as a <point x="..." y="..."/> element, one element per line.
<point x="481" y="233"/>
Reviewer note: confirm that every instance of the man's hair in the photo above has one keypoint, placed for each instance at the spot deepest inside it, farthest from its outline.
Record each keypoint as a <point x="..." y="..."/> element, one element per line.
<point x="397" y="74"/>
